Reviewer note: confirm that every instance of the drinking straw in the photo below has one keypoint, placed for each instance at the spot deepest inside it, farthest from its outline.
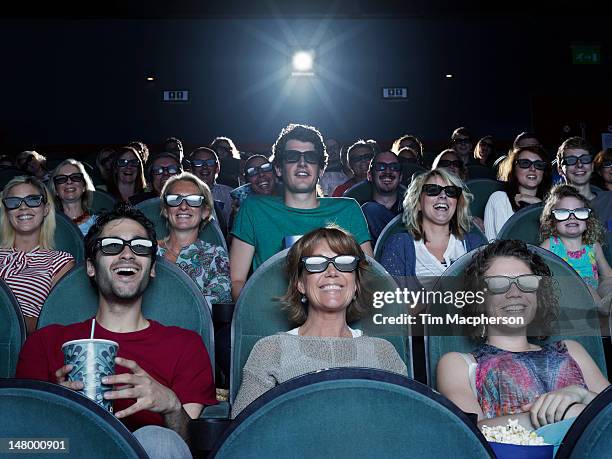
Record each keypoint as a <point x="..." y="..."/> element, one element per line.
<point x="93" y="325"/>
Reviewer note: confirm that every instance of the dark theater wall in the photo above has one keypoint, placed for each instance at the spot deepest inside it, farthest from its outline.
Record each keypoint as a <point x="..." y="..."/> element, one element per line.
<point x="83" y="81"/>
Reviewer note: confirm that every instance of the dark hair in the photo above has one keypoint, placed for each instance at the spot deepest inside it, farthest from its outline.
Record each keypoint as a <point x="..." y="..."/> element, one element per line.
<point x="234" y="153"/>
<point x="176" y="141"/>
<point x="206" y="150"/>
<point x="303" y="133"/>
<point x="461" y="131"/>
<point x="507" y="173"/>
<point x="572" y="143"/>
<point x="373" y="160"/>
<point x="603" y="155"/>
<point x="141" y="148"/>
<point x="367" y="144"/>
<point x="246" y="164"/>
<point x="397" y="144"/>
<point x="119" y="212"/>
<point x="155" y="157"/>
<point x="522" y="136"/>
<point x="548" y="304"/>
<point x="140" y="181"/>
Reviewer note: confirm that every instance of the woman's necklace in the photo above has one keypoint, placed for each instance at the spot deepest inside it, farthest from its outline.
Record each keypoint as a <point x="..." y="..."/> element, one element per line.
<point x="81" y="218"/>
<point x="167" y="247"/>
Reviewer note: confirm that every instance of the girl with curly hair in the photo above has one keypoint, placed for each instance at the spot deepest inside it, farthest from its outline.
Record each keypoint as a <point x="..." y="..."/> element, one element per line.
<point x="570" y="230"/>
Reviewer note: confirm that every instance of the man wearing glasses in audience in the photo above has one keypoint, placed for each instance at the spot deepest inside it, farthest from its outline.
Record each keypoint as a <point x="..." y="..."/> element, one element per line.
<point x="204" y="163"/>
<point x="265" y="225"/>
<point x="575" y="164"/>
<point x="159" y="169"/>
<point x="167" y="379"/>
<point x="359" y="156"/>
<point x="385" y="175"/>
<point x="462" y="144"/>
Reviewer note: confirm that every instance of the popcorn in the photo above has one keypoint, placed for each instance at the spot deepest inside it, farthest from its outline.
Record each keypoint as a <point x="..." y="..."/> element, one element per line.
<point x="512" y="433"/>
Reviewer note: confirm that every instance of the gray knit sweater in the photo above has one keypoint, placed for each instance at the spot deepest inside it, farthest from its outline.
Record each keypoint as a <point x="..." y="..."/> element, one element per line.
<point x="278" y="358"/>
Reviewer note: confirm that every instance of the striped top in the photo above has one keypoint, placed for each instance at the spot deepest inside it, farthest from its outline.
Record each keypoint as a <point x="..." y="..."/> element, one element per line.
<point x="29" y="275"/>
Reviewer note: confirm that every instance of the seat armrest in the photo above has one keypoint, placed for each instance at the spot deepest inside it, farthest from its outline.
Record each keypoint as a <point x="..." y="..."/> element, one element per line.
<point x="222" y="313"/>
<point x="205" y="431"/>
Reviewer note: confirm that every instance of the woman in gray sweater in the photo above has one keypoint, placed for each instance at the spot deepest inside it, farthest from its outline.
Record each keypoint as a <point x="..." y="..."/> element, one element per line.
<point x="325" y="269"/>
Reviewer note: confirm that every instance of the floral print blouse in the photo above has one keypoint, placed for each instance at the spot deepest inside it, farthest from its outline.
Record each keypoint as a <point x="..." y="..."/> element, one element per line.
<point x="208" y="266"/>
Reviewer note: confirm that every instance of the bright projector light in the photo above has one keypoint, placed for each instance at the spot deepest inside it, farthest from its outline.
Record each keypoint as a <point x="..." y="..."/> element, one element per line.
<point x="303" y="63"/>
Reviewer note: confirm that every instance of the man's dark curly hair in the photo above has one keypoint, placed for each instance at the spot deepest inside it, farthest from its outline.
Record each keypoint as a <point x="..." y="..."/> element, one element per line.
<point x="303" y="133"/>
<point x="119" y="212"/>
<point x="548" y="304"/>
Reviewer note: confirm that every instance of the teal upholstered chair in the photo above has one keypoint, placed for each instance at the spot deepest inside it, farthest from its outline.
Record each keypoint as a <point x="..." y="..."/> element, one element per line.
<point x="258" y="313"/>
<point x="410" y="170"/>
<point x="41" y="410"/>
<point x="397" y="226"/>
<point x="352" y="412"/>
<point x="478" y="171"/>
<point x="68" y="237"/>
<point x="482" y="189"/>
<point x="524" y="225"/>
<point x="6" y="175"/>
<point x="102" y="201"/>
<point x="590" y="435"/>
<point x="394" y="226"/>
<point x="578" y="317"/>
<point x="152" y="208"/>
<point x="362" y="192"/>
<point x="429" y="157"/>
<point x="172" y="298"/>
<point x="12" y="331"/>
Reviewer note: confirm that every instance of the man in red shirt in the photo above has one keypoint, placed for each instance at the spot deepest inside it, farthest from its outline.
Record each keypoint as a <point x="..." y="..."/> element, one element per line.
<point x="163" y="375"/>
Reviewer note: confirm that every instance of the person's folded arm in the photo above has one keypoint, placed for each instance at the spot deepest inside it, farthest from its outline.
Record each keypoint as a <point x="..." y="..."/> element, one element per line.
<point x="241" y="257"/>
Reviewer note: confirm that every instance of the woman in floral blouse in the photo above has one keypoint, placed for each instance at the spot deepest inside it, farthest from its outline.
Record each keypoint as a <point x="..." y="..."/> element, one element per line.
<point x="187" y="205"/>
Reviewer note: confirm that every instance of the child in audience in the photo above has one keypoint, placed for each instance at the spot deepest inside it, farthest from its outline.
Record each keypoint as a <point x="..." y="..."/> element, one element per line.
<point x="569" y="229"/>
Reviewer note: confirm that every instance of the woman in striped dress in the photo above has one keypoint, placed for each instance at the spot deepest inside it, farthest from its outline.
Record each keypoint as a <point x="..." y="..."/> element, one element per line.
<point x="28" y="263"/>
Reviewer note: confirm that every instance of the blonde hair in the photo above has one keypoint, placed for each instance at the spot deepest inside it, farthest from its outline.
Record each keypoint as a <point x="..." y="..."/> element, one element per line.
<point x="413" y="220"/>
<point x="202" y="189"/>
<point x="87" y="198"/>
<point x="47" y="231"/>
<point x="594" y="232"/>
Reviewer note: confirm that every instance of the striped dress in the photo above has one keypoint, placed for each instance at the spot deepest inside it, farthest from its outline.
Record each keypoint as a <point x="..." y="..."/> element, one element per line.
<point x="29" y="275"/>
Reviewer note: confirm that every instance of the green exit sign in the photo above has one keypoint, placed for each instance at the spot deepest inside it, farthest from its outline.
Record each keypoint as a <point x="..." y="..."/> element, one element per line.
<point x="586" y="55"/>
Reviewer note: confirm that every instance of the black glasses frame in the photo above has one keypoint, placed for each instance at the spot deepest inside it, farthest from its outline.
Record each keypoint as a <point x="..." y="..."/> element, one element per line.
<point x="31" y="200"/>
<point x="516" y="280"/>
<point x="115" y="246"/>
<point x="77" y="177"/>
<point x="192" y="200"/>
<point x="433" y="189"/>
<point x="346" y="267"/>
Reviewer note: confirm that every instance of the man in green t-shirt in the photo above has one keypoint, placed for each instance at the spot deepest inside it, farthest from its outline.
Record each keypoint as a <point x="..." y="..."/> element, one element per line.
<point x="264" y="224"/>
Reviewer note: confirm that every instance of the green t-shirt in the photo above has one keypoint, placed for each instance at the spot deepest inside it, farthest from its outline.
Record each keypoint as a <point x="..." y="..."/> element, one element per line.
<point x="264" y="221"/>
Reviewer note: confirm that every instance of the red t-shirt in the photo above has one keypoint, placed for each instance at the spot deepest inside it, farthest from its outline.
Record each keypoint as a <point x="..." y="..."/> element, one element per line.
<point x="340" y="189"/>
<point x="173" y="356"/>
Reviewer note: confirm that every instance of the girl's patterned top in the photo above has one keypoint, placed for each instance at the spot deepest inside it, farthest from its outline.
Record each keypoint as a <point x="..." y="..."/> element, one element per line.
<point x="208" y="267"/>
<point x="507" y="380"/>
<point x="583" y="261"/>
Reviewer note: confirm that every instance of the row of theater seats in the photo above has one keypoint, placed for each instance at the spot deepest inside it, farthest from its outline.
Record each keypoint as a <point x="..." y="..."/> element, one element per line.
<point x="257" y="315"/>
<point x="344" y="413"/>
<point x="393" y="403"/>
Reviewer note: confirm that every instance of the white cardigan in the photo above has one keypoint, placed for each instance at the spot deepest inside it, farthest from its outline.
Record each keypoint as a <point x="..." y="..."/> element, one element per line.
<point x="497" y="211"/>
